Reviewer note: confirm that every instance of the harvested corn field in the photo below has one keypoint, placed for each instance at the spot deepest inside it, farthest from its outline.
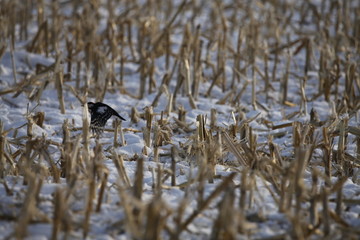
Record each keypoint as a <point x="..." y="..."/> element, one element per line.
<point x="241" y="119"/>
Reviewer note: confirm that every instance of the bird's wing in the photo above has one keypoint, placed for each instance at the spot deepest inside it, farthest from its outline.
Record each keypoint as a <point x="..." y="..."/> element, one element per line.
<point x="100" y="117"/>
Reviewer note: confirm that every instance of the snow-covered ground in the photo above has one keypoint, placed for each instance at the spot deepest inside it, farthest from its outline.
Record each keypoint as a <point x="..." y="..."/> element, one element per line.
<point x="261" y="218"/>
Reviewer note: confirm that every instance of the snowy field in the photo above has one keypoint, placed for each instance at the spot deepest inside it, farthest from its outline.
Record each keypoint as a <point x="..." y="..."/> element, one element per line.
<point x="242" y="119"/>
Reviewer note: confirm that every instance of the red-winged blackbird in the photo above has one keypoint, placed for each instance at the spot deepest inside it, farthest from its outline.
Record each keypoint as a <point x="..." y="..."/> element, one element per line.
<point x="100" y="113"/>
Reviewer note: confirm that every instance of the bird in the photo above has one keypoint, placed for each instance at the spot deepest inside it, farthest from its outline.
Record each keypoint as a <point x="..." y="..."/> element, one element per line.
<point x="100" y="113"/>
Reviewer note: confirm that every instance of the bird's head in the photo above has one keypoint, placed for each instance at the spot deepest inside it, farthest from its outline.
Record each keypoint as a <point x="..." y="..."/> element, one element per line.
<point x="90" y="106"/>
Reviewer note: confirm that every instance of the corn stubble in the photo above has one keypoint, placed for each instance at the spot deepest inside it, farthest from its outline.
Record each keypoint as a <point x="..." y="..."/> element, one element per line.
<point x="138" y="36"/>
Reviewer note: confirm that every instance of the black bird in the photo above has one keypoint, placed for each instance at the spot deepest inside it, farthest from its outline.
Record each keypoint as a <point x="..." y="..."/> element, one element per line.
<point x="100" y="113"/>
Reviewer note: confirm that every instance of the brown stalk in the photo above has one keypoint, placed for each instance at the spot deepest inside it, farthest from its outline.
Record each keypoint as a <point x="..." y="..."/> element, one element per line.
<point x="80" y="98"/>
<point x="58" y="213"/>
<point x="213" y="114"/>
<point x="284" y="195"/>
<point x="119" y="164"/>
<point x="302" y="154"/>
<point x="151" y="71"/>
<point x="325" y="213"/>
<point x="173" y="165"/>
<point x="339" y="201"/>
<point x="227" y="96"/>
<point x="2" y="151"/>
<point x="163" y="89"/>
<point x="222" y="53"/>
<point x="121" y="53"/>
<point x="130" y="39"/>
<point x="59" y="79"/>
<point x="154" y="220"/>
<point x="107" y="75"/>
<point x="158" y="185"/>
<point x="13" y="64"/>
<point x="36" y="43"/>
<point x="285" y="80"/>
<point x="241" y="92"/>
<point x="29" y="209"/>
<point x="102" y="190"/>
<point x="214" y="82"/>
<point x="74" y="161"/>
<point x="303" y="105"/>
<point x="237" y="59"/>
<point x="91" y="168"/>
<point x="202" y="133"/>
<point x="341" y="145"/>
<point x="122" y="137"/>
<point x="197" y="78"/>
<point x="54" y="170"/>
<point x="243" y="190"/>
<point x="168" y="25"/>
<point x="30" y="128"/>
<point x="169" y="105"/>
<point x="69" y="49"/>
<point x="134" y="115"/>
<point x="147" y="130"/>
<point x="85" y="135"/>
<point x="225" y="226"/>
<point x="226" y="181"/>
<point x="116" y="124"/>
<point x="314" y="217"/>
<point x="138" y="182"/>
<point x="132" y="208"/>
<point x="275" y="155"/>
<point x="143" y="62"/>
<point x="235" y="150"/>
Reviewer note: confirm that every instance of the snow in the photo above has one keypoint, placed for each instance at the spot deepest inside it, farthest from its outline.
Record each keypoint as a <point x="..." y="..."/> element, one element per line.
<point x="109" y="222"/>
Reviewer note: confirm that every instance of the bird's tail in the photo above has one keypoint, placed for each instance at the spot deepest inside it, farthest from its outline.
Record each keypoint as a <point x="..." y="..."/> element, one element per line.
<point x="116" y="114"/>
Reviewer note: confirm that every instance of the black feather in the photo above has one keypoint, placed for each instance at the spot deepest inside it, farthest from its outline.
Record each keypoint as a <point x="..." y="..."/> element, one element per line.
<point x="100" y="113"/>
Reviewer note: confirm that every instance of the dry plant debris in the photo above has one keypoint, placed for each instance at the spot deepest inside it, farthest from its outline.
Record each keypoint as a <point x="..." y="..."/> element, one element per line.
<point x="243" y="119"/>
